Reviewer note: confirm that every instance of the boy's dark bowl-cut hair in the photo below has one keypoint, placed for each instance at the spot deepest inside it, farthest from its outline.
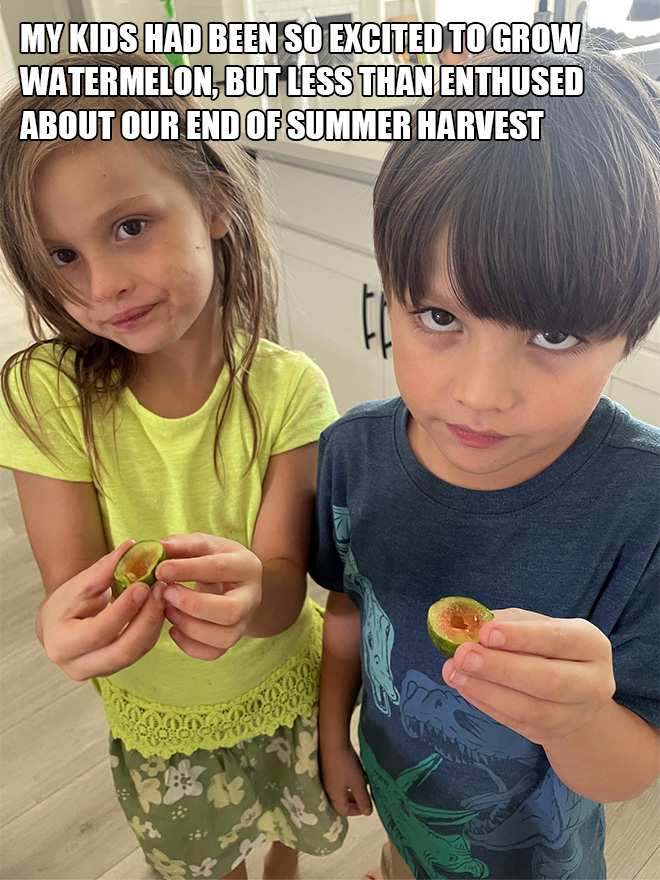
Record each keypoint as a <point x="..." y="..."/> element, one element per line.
<point x="558" y="234"/>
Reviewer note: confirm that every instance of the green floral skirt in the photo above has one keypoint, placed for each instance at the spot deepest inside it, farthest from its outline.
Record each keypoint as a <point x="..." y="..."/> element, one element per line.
<point x="200" y="815"/>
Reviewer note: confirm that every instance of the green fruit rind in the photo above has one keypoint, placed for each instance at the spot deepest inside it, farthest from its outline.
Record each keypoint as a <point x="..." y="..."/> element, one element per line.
<point x="138" y="565"/>
<point x="447" y="637"/>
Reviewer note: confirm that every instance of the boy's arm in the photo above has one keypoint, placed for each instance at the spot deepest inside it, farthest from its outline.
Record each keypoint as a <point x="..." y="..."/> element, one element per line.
<point x="615" y="757"/>
<point x="343" y="776"/>
<point x="551" y="680"/>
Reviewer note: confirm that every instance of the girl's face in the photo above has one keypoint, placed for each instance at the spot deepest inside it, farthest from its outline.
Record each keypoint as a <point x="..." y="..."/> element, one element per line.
<point x="128" y="235"/>
<point x="491" y="406"/>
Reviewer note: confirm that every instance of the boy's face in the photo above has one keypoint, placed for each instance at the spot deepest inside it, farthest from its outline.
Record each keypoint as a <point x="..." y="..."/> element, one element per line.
<point x="127" y="234"/>
<point x="491" y="406"/>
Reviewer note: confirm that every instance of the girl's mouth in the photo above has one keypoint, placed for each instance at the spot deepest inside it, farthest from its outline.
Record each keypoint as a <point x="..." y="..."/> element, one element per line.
<point x="131" y="317"/>
<point x="475" y="439"/>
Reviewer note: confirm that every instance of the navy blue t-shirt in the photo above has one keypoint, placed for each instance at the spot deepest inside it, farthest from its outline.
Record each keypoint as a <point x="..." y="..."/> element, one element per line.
<point x="460" y="794"/>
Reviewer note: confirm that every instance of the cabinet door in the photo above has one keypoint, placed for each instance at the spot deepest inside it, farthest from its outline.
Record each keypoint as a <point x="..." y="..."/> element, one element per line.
<point x="331" y="310"/>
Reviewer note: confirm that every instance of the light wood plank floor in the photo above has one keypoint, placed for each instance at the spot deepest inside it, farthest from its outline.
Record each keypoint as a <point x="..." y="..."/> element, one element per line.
<point x="59" y="819"/>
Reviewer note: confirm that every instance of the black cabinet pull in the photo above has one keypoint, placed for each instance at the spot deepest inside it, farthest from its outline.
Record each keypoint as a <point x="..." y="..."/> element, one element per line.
<point x="366" y="294"/>
<point x="383" y="311"/>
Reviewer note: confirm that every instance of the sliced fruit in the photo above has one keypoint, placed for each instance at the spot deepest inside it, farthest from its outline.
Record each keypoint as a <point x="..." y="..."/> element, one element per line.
<point x="454" y="620"/>
<point x="139" y="563"/>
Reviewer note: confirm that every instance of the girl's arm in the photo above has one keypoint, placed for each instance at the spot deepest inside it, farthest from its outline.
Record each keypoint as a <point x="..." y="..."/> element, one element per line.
<point x="281" y="538"/>
<point x="239" y="592"/>
<point x="343" y="776"/>
<point x="81" y="632"/>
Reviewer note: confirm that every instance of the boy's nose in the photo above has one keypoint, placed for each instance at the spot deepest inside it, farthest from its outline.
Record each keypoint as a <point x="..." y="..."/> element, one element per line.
<point x="486" y="384"/>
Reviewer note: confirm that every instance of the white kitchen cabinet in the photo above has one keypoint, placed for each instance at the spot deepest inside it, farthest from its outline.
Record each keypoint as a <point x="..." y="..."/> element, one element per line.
<point x="332" y="310"/>
<point x="331" y="304"/>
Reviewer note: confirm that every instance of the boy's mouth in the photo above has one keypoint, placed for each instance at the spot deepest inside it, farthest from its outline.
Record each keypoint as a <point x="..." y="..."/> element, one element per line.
<point x="475" y="439"/>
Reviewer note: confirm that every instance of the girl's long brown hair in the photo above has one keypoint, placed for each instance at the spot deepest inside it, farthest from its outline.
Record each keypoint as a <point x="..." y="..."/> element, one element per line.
<point x="245" y="274"/>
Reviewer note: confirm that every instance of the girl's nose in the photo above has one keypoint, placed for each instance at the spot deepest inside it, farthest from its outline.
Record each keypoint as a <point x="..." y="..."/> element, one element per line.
<point x="108" y="279"/>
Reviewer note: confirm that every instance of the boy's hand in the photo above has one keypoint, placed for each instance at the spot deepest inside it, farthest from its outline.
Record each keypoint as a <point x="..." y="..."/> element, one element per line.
<point x="213" y="616"/>
<point x="86" y="635"/>
<point x="345" y="782"/>
<point x="541" y="676"/>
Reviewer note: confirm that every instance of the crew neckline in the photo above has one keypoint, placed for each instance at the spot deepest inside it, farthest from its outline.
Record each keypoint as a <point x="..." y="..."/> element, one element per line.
<point x="145" y="412"/>
<point x="515" y="497"/>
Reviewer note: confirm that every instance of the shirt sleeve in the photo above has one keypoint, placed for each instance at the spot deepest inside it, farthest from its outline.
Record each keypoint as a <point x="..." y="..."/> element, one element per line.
<point x="325" y="563"/>
<point x="309" y="409"/>
<point x="49" y="405"/>
<point x="636" y="647"/>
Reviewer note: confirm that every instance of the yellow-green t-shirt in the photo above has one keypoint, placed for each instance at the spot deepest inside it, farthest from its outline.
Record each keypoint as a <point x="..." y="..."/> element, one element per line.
<point x="158" y="478"/>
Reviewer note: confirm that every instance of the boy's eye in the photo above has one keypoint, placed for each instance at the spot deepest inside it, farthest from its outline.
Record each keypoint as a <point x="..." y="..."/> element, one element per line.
<point x="556" y="340"/>
<point x="130" y="228"/>
<point x="63" y="256"/>
<point x="439" y="320"/>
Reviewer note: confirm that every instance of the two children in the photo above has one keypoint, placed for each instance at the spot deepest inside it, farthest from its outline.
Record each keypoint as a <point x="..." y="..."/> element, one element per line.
<point x="517" y="275"/>
<point x="155" y="407"/>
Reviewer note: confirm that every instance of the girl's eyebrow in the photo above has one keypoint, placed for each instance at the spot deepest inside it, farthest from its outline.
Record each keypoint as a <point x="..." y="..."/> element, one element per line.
<point x="120" y="207"/>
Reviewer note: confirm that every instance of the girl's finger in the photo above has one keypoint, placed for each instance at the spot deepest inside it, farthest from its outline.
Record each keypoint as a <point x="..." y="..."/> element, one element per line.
<point x="95" y="633"/>
<point x="212" y="634"/>
<point x="97" y="578"/>
<point x="195" y="649"/>
<point x="136" y="637"/>
<point x="231" y="567"/>
<point x="226" y="610"/>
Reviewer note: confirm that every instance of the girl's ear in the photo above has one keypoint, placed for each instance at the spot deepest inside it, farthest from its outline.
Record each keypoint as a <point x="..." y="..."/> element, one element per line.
<point x="220" y="220"/>
<point x="220" y="223"/>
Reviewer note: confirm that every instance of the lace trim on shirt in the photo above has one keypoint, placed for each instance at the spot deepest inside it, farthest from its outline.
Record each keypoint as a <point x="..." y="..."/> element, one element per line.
<point x="155" y="729"/>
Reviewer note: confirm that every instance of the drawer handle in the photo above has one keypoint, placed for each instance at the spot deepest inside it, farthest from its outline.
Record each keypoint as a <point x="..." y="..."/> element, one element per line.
<point x="383" y="312"/>
<point x="366" y="294"/>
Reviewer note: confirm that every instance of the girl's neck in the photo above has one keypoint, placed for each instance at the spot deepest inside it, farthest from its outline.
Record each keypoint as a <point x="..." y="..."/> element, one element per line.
<point x="177" y="381"/>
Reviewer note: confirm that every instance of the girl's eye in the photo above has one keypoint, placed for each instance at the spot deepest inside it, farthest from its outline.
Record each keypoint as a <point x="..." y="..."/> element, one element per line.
<point x="63" y="256"/>
<point x="439" y="320"/>
<point x="555" y="340"/>
<point x="130" y="228"/>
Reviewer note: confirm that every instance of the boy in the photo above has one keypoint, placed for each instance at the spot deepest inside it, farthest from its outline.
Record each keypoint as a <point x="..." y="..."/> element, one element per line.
<point x="517" y="275"/>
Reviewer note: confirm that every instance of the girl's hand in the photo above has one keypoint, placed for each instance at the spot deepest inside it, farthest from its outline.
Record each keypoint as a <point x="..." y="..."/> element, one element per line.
<point x="86" y="635"/>
<point x="344" y="781"/>
<point x="213" y="616"/>
<point x="541" y="676"/>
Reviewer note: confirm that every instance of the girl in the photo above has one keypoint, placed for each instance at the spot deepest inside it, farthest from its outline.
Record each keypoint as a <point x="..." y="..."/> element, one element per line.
<point x="158" y="408"/>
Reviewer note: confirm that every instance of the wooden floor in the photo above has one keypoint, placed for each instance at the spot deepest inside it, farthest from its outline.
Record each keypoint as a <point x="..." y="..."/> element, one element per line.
<point x="59" y="819"/>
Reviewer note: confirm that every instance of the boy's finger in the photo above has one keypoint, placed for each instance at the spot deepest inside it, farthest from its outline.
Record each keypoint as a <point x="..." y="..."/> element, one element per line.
<point x="363" y="800"/>
<point x="570" y="639"/>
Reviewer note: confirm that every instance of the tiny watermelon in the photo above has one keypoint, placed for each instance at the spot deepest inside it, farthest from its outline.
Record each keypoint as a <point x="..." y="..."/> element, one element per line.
<point x="138" y="564"/>
<point x="454" y="620"/>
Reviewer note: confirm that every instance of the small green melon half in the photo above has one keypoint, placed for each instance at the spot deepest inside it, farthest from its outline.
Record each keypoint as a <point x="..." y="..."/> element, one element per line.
<point x="454" y="620"/>
<point x="138" y="565"/>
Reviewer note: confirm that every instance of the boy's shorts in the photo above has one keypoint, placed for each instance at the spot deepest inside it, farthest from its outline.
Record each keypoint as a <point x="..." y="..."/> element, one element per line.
<point x="392" y="866"/>
<point x="200" y="815"/>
